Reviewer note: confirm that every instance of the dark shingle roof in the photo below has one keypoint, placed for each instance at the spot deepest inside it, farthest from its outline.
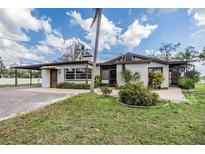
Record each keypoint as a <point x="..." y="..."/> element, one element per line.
<point x="38" y="66"/>
<point x="145" y="58"/>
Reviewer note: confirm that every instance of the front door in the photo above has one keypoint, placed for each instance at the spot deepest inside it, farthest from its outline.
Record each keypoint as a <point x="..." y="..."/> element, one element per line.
<point x="174" y="77"/>
<point x="53" y="78"/>
<point x="112" y="78"/>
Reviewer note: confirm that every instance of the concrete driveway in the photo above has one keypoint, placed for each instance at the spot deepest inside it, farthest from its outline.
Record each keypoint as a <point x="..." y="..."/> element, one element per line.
<point x="14" y="101"/>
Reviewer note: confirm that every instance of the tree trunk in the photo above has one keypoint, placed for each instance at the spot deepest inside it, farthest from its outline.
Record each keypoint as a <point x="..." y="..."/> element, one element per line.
<point x="95" y="50"/>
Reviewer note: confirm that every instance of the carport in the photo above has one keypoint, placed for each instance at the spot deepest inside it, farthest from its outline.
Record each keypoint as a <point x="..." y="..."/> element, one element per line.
<point x="52" y="68"/>
<point x="29" y="68"/>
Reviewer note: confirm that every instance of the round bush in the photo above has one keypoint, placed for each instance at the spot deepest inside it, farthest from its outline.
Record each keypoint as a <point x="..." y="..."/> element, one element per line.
<point x="186" y="83"/>
<point x="137" y="94"/>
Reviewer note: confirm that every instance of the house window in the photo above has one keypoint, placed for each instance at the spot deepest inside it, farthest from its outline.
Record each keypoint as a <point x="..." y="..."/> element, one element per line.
<point x="155" y="69"/>
<point x="89" y="73"/>
<point x="77" y="73"/>
<point x="80" y="73"/>
<point x="69" y="73"/>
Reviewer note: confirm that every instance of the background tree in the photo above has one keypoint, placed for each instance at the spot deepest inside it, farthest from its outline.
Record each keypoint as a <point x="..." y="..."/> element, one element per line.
<point x="202" y="55"/>
<point x="203" y="79"/>
<point x="166" y="51"/>
<point x="74" y="51"/>
<point x="2" y="67"/>
<point x="188" y="54"/>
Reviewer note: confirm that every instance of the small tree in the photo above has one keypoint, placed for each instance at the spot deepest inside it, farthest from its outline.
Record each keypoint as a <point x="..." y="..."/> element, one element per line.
<point x="74" y="51"/>
<point x="166" y="51"/>
<point x="202" y="55"/>
<point x="158" y="79"/>
<point x="2" y="67"/>
<point x="188" y="54"/>
<point x="129" y="77"/>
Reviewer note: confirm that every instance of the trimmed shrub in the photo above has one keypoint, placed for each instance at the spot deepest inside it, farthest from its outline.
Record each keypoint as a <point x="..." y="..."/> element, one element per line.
<point x="106" y="91"/>
<point x="155" y="95"/>
<point x="137" y="94"/>
<point x="195" y="75"/>
<point x="67" y="85"/>
<point x="186" y="83"/>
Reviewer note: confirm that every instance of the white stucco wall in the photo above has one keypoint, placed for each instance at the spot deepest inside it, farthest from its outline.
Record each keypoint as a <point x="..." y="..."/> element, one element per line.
<point x="118" y="75"/>
<point x="97" y="71"/>
<point x="141" y="68"/>
<point x="60" y="75"/>
<point x="11" y="81"/>
<point x="165" y="84"/>
<point x="45" y="78"/>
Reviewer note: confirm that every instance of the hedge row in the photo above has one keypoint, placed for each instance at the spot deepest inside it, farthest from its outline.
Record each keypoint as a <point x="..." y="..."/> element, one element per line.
<point x="67" y="85"/>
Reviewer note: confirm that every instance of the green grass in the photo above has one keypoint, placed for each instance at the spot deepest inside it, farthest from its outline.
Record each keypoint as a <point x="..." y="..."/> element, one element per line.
<point x="92" y="119"/>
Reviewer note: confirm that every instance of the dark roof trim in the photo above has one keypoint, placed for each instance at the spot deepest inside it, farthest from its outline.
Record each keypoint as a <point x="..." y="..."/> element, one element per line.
<point x="126" y="62"/>
<point x="38" y="66"/>
<point x="129" y="53"/>
<point x="178" y="62"/>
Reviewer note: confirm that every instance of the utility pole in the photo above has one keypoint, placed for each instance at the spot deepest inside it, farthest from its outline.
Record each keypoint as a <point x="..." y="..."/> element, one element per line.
<point x="98" y="14"/>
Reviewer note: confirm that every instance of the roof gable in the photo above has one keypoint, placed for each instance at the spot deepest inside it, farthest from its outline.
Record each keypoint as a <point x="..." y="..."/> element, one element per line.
<point x="127" y="57"/>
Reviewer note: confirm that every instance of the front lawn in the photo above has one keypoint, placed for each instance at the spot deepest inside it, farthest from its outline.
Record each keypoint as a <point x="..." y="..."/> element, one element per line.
<point x="92" y="119"/>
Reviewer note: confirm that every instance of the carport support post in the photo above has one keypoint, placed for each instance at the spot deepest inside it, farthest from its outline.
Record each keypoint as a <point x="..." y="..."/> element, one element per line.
<point x="30" y="77"/>
<point x="16" y="82"/>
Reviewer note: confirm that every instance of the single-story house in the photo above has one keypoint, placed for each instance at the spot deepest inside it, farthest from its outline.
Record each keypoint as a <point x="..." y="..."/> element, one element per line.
<point x="110" y="71"/>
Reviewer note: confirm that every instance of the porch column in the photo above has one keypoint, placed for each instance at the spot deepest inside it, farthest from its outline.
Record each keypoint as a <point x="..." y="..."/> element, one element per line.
<point x="123" y="67"/>
<point x="30" y="77"/>
<point x="16" y="78"/>
<point x="177" y="75"/>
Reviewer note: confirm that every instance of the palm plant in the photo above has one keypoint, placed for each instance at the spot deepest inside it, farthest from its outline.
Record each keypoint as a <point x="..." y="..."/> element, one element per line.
<point x="97" y="16"/>
<point x="129" y="77"/>
<point x="189" y="54"/>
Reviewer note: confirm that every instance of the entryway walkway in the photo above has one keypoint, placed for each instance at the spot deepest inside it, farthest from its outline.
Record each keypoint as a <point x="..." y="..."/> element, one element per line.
<point x="172" y="94"/>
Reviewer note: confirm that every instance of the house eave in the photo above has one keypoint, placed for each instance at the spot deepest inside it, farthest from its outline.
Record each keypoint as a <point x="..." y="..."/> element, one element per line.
<point x="39" y="66"/>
